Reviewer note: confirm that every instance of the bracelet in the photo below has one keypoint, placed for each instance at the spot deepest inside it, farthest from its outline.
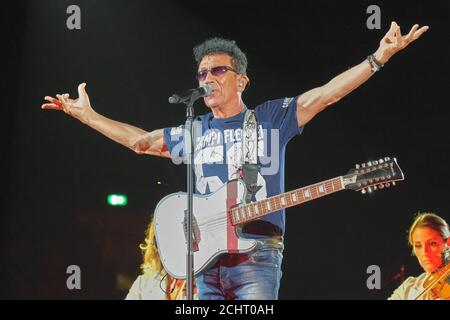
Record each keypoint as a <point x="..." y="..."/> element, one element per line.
<point x="375" y="65"/>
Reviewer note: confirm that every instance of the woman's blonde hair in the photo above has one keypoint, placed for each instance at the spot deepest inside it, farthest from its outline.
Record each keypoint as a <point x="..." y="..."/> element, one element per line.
<point x="152" y="263"/>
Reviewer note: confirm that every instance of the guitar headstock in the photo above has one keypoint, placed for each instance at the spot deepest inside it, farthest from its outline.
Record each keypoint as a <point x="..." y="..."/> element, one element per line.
<point x="373" y="175"/>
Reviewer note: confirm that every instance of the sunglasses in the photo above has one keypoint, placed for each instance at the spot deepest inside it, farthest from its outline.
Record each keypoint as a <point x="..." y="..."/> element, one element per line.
<point x="216" y="71"/>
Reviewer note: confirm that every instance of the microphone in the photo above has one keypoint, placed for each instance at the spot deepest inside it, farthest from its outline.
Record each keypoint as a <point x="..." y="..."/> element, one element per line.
<point x="191" y="95"/>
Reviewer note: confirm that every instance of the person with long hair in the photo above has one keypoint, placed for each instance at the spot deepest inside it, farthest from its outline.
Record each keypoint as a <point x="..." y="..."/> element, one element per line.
<point x="154" y="283"/>
<point x="429" y="237"/>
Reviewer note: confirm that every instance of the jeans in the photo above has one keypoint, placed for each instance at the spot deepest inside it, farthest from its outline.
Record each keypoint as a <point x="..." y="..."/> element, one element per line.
<point x="253" y="276"/>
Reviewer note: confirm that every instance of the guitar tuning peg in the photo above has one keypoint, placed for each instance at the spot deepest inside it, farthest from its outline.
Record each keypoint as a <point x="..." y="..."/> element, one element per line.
<point x="369" y="163"/>
<point x="380" y="161"/>
<point x="374" y="188"/>
<point x="363" y="191"/>
<point x="393" y="183"/>
<point x="375" y="162"/>
<point x="387" y="159"/>
<point x="357" y="166"/>
<point x="363" y="165"/>
<point x="369" y="189"/>
<point x="387" y="184"/>
<point x="380" y="186"/>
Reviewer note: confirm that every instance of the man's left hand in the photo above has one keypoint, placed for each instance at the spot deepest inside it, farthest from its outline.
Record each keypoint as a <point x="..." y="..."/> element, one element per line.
<point x="393" y="41"/>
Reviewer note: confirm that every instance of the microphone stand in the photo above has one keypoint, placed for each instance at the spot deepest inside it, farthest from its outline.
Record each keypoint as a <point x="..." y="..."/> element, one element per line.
<point x="190" y="197"/>
<point x="189" y="148"/>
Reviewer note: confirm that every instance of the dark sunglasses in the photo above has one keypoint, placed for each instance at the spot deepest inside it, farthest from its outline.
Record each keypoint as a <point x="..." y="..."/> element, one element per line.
<point x="216" y="71"/>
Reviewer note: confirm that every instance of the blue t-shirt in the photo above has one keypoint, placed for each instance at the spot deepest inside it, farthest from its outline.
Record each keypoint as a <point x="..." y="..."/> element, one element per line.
<point x="218" y="151"/>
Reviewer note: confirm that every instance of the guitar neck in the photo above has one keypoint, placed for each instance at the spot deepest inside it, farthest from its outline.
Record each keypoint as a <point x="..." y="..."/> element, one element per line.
<point x="255" y="210"/>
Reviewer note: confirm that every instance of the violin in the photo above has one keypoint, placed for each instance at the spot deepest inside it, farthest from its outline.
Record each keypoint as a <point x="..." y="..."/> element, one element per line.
<point x="438" y="283"/>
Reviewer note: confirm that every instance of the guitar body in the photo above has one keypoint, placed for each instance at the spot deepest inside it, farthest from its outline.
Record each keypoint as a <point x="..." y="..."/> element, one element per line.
<point x="214" y="234"/>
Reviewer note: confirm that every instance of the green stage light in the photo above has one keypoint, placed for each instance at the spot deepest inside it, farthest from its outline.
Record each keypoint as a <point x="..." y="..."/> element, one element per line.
<point x="117" y="200"/>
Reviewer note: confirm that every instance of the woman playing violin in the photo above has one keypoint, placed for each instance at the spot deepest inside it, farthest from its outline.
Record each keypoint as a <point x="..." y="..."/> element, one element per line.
<point x="429" y="237"/>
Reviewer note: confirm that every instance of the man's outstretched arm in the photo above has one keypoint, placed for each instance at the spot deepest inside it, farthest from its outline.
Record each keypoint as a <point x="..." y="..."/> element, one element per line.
<point x="136" y="139"/>
<point x="313" y="101"/>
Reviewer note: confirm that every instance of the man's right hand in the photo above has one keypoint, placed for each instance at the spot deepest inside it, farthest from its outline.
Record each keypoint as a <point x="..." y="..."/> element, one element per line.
<point x="79" y="108"/>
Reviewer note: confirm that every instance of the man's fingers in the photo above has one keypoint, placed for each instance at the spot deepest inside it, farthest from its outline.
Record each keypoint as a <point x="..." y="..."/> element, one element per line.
<point x="393" y="26"/>
<point x="51" y="106"/>
<point x="53" y="100"/>
<point x="82" y="90"/>
<point x="419" y="32"/>
<point x="411" y="32"/>
<point x="65" y="104"/>
<point x="398" y="35"/>
<point x="390" y="35"/>
<point x="48" y="98"/>
<point x="60" y="98"/>
<point x="61" y="102"/>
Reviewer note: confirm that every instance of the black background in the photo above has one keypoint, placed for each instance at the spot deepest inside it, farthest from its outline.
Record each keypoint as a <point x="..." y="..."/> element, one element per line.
<point x="133" y="55"/>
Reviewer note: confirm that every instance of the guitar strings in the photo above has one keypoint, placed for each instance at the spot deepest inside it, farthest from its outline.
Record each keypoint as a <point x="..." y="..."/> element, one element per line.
<point x="220" y="219"/>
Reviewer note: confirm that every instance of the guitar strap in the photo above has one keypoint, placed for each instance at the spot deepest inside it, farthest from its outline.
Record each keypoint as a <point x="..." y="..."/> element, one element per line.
<point x="249" y="174"/>
<point x="249" y="159"/>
